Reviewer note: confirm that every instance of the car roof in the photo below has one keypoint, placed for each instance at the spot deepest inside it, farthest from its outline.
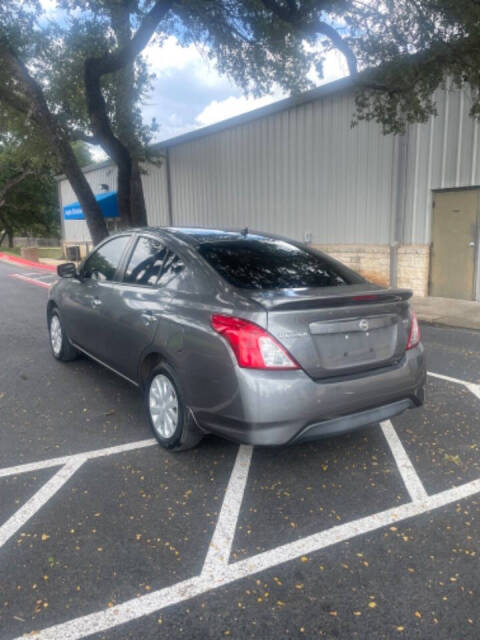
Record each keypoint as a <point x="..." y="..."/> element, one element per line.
<point x="201" y="235"/>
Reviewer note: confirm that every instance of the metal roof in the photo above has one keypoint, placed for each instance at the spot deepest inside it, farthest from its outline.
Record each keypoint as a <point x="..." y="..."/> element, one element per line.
<point x="324" y="90"/>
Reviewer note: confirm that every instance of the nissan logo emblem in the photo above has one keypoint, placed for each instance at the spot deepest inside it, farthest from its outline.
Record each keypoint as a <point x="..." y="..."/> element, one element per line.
<point x="363" y="324"/>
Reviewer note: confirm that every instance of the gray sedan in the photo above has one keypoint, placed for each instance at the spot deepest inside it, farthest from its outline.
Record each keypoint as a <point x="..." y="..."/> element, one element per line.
<point x="253" y="337"/>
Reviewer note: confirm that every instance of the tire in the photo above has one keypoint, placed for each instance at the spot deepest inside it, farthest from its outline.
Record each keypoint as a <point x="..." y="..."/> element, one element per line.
<point x="59" y="342"/>
<point x="172" y="423"/>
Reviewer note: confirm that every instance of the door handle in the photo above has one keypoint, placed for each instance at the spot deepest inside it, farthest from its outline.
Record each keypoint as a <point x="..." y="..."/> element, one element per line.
<point x="471" y="244"/>
<point x="96" y="302"/>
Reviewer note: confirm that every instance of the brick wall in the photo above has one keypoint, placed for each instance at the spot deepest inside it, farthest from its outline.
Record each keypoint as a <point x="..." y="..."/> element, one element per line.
<point x="372" y="261"/>
<point x="413" y="268"/>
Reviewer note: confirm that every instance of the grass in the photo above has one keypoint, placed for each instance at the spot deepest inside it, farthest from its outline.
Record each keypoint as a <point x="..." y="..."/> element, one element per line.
<point x="43" y="252"/>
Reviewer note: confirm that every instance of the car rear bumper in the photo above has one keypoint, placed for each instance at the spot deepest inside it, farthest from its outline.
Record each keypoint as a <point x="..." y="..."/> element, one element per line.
<point x="284" y="407"/>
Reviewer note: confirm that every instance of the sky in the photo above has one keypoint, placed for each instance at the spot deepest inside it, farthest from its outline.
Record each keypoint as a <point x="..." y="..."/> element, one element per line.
<point x="188" y="93"/>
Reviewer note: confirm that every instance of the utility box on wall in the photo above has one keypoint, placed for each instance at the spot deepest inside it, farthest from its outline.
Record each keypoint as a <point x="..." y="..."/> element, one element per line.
<point x="72" y="253"/>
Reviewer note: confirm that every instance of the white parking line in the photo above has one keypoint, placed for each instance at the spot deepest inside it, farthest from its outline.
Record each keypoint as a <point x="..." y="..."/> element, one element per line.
<point x="153" y="602"/>
<point x="409" y="476"/>
<point x="471" y="386"/>
<point x="39" y="283"/>
<point x="216" y="571"/>
<point x="221" y="543"/>
<point x="36" y="502"/>
<point x="32" y="273"/>
<point x="86" y="455"/>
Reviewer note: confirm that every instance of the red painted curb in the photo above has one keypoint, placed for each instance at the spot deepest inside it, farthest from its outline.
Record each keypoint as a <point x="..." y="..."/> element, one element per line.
<point x="27" y="263"/>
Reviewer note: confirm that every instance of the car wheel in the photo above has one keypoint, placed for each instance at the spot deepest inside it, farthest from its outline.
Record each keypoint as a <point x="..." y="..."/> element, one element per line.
<point x="171" y="420"/>
<point x="59" y="342"/>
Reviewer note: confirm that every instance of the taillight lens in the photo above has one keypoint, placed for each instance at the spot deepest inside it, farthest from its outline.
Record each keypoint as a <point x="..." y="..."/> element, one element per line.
<point x="254" y="347"/>
<point x="414" y="333"/>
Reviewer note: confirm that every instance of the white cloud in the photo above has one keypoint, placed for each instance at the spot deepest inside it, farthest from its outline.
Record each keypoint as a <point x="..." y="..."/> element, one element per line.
<point x="48" y="5"/>
<point x="232" y="106"/>
<point x="334" y="67"/>
<point x="167" y="56"/>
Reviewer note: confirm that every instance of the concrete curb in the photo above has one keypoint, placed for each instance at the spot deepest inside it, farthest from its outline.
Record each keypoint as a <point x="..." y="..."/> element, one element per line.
<point x="22" y="262"/>
<point x="446" y="312"/>
<point x="453" y="323"/>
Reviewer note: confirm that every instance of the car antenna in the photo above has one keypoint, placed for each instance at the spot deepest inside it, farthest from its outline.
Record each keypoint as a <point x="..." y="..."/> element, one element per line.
<point x="244" y="232"/>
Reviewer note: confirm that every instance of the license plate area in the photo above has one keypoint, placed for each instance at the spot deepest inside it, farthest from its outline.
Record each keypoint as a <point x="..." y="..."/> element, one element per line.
<point x="355" y="342"/>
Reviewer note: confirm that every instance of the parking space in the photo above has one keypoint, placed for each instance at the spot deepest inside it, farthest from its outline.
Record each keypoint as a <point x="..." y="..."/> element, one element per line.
<point x="103" y="534"/>
<point x="328" y="483"/>
<point x="442" y="439"/>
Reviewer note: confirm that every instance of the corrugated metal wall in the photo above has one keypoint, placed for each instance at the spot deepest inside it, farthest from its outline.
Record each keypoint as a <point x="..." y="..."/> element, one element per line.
<point x="76" y="230"/>
<point x="443" y="153"/>
<point x="301" y="170"/>
<point x="306" y="170"/>
<point x="155" y="191"/>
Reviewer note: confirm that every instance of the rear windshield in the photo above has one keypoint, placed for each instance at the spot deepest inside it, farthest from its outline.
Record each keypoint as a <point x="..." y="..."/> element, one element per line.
<point x="267" y="263"/>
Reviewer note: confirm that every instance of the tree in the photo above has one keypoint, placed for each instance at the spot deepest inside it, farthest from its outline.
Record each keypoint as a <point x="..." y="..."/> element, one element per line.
<point x="238" y="34"/>
<point x="27" y="195"/>
<point x="84" y="79"/>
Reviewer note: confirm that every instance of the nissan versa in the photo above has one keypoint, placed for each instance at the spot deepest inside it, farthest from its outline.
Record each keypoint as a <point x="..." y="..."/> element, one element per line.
<point x="246" y="335"/>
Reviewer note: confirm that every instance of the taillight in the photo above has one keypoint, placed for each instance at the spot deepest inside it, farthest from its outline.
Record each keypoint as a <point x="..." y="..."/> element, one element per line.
<point x="414" y="333"/>
<point x="254" y="347"/>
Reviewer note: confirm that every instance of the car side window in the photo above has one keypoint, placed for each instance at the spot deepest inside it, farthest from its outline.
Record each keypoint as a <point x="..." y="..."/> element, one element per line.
<point x="171" y="266"/>
<point x="103" y="262"/>
<point x="151" y="263"/>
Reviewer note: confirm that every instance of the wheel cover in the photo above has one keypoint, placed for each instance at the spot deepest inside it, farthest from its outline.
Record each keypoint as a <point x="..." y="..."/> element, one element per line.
<point x="163" y="406"/>
<point x="56" y="335"/>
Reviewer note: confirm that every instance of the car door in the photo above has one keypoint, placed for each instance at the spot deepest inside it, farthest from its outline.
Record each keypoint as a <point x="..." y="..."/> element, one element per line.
<point x="87" y="309"/>
<point x="140" y="302"/>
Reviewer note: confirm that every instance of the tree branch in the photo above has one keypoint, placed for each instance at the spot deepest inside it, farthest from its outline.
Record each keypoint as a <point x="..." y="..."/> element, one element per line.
<point x="339" y="43"/>
<point x="57" y="139"/>
<point x="111" y="62"/>
<point x="101" y="127"/>
<point x="12" y="182"/>
<point x="298" y="20"/>
<point x="76" y="134"/>
<point x="18" y="103"/>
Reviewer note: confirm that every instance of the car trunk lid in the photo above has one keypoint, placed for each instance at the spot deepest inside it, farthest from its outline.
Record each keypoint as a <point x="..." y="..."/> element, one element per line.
<point x="339" y="331"/>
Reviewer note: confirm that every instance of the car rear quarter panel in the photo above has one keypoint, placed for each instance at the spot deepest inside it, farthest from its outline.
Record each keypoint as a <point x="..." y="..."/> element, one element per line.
<point x="203" y="361"/>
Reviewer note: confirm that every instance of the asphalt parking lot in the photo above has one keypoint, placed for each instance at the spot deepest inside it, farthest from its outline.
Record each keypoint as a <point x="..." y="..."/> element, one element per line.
<point x="105" y="535"/>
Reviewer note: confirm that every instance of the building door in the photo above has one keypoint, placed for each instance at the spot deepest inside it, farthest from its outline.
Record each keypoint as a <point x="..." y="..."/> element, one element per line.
<point x="454" y="243"/>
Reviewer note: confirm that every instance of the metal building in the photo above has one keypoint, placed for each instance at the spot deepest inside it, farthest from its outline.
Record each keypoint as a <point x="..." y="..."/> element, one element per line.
<point x="400" y="209"/>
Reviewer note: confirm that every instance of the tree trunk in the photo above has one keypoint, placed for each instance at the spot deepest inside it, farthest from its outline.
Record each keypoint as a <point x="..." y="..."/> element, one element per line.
<point x="10" y="238"/>
<point x="137" y="200"/>
<point x="2" y="238"/>
<point x="83" y="191"/>
<point x="131" y="202"/>
<point x="58" y="141"/>
<point x="123" y="189"/>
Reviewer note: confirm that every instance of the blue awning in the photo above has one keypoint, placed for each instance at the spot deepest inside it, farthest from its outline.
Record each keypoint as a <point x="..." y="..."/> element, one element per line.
<point x="107" y="202"/>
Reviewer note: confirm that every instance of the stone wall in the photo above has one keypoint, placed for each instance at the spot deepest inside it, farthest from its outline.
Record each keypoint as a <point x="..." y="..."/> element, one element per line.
<point x="373" y="263"/>
<point x="414" y="268"/>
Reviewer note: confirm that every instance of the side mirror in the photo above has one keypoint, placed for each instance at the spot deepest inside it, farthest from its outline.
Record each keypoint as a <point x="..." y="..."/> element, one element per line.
<point x="67" y="270"/>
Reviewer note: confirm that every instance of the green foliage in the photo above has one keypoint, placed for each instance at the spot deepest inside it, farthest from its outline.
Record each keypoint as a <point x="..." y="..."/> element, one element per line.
<point x="29" y="205"/>
<point x="82" y="153"/>
<point x="409" y="48"/>
<point x="404" y="50"/>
